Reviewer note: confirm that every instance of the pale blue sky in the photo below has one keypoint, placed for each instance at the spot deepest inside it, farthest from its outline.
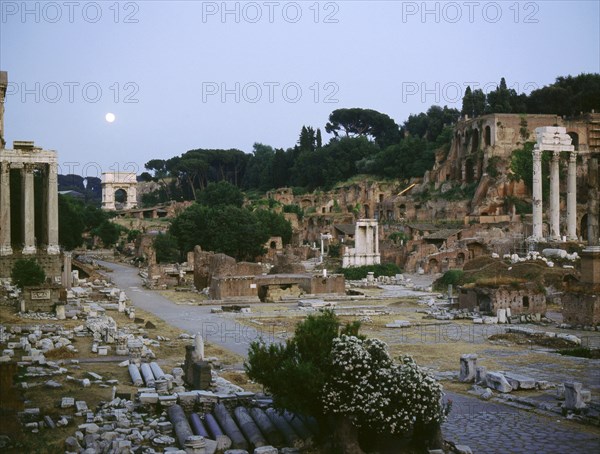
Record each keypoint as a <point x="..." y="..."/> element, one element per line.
<point x="175" y="59"/>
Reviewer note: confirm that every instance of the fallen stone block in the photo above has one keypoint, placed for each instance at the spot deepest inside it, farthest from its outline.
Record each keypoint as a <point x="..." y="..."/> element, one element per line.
<point x="67" y="402"/>
<point x="519" y="381"/>
<point x="266" y="450"/>
<point x="398" y="324"/>
<point x="498" y="382"/>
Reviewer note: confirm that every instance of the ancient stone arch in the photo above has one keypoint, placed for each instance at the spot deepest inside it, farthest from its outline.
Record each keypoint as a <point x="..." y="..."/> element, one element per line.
<point x="112" y="182"/>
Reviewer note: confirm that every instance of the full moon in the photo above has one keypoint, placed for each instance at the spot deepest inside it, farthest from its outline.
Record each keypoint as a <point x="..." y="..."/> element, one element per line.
<point x="110" y="117"/>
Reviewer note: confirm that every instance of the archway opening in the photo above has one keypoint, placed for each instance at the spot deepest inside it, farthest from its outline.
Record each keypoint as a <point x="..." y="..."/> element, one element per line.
<point x="434" y="266"/>
<point x="120" y="199"/>
<point x="488" y="136"/>
<point x="574" y="140"/>
<point x="469" y="171"/>
<point x="583" y="232"/>
<point x="475" y="141"/>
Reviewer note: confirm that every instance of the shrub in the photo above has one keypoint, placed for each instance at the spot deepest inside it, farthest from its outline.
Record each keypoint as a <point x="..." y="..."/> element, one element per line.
<point x="375" y="392"/>
<point x="360" y="272"/>
<point x="27" y="272"/>
<point x="450" y="277"/>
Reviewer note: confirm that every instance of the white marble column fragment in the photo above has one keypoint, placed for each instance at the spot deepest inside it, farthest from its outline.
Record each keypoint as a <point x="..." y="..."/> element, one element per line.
<point x="572" y="198"/>
<point x="554" y="197"/>
<point x="52" y="210"/>
<point x="28" y="213"/>
<point x="67" y="267"/>
<point x="5" y="239"/>
<point x="537" y="194"/>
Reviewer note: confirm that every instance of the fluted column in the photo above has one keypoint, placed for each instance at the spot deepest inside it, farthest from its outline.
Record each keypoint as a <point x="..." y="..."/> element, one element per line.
<point x="52" y="210"/>
<point x="537" y="194"/>
<point x="554" y="197"/>
<point x="28" y="213"/>
<point x="5" y="238"/>
<point x="572" y="198"/>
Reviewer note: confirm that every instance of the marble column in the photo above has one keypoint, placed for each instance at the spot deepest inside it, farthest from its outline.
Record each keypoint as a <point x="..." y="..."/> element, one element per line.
<point x="52" y="210"/>
<point x="554" y="197"/>
<point x="537" y="194"/>
<point x="572" y="198"/>
<point x="5" y="239"/>
<point x="28" y="213"/>
<point x="67" y="278"/>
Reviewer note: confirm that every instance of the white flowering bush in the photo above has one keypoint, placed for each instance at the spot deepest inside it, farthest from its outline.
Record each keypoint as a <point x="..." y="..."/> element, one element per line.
<point x="367" y="386"/>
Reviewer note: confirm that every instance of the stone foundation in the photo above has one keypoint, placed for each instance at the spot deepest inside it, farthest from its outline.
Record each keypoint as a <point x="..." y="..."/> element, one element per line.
<point x="50" y="263"/>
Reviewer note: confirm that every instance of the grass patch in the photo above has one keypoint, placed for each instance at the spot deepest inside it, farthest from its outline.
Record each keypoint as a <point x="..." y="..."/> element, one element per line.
<point x="581" y="352"/>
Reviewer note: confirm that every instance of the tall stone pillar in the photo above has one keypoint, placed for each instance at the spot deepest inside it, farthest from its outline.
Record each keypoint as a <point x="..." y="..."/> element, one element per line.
<point x="52" y="209"/>
<point x="5" y="238"/>
<point x="572" y="198"/>
<point x="537" y="194"/>
<point x="554" y="198"/>
<point x="28" y="212"/>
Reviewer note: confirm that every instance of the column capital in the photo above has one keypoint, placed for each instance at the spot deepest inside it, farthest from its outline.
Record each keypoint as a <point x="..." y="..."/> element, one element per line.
<point x="555" y="155"/>
<point x="573" y="157"/>
<point x="537" y="153"/>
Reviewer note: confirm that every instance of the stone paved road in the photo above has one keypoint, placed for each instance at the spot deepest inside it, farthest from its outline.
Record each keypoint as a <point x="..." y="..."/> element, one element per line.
<point x="486" y="427"/>
<point x="493" y="428"/>
<point x="220" y="329"/>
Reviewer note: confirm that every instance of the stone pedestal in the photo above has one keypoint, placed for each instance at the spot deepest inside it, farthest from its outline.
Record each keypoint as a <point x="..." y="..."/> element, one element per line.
<point x="590" y="265"/>
<point x="573" y="397"/>
<point x="468" y="365"/>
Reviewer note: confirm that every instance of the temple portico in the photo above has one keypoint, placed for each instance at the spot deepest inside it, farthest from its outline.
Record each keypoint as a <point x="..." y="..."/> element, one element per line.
<point x="555" y="140"/>
<point x="22" y="164"/>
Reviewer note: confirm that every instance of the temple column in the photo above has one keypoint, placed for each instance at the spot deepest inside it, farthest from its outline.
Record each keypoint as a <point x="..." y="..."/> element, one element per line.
<point x="5" y="238"/>
<point x="572" y="198"/>
<point x="537" y="194"/>
<point x="67" y="279"/>
<point x="554" y="198"/>
<point x="52" y="210"/>
<point x="28" y="213"/>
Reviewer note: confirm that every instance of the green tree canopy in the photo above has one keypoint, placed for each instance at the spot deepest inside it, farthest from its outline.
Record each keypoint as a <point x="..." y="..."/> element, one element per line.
<point x="166" y="248"/>
<point x="27" y="272"/>
<point x="220" y="194"/>
<point x="71" y="224"/>
<point x="366" y="122"/>
<point x="275" y="224"/>
<point x="108" y="232"/>
<point x="228" y="229"/>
